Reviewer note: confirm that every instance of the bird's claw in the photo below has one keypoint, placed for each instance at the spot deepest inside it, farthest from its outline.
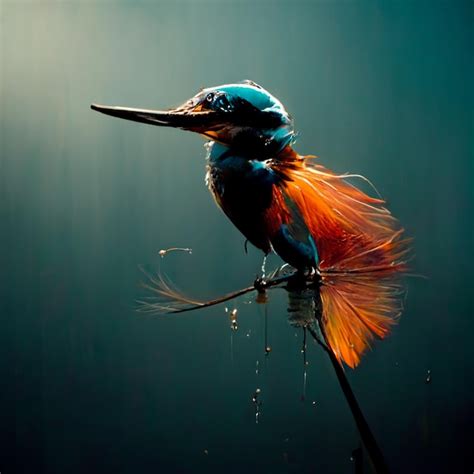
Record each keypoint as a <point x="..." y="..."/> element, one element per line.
<point x="260" y="284"/>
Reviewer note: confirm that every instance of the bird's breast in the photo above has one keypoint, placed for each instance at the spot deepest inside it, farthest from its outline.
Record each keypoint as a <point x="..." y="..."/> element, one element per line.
<point x="243" y="189"/>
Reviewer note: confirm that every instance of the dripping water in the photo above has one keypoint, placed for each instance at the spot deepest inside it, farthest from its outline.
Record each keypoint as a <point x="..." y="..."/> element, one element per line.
<point x="163" y="252"/>
<point x="305" y="364"/>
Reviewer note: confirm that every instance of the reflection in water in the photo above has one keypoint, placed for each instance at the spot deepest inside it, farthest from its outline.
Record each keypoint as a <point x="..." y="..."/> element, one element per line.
<point x="342" y="311"/>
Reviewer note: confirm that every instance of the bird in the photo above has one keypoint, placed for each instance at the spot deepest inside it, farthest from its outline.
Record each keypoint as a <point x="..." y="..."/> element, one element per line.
<point x="316" y="220"/>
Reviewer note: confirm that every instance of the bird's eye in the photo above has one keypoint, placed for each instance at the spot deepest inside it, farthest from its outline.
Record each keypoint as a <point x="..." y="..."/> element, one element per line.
<point x="210" y="97"/>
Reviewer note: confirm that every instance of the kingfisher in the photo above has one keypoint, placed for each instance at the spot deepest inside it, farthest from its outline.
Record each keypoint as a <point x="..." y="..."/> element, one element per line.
<point x="316" y="220"/>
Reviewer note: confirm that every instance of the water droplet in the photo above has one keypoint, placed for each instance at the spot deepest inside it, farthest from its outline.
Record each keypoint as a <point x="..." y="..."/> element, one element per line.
<point x="268" y="349"/>
<point x="233" y="319"/>
<point x="164" y="252"/>
<point x="428" y="377"/>
<point x="313" y="403"/>
<point x="255" y="395"/>
<point x="256" y="404"/>
<point x="206" y="452"/>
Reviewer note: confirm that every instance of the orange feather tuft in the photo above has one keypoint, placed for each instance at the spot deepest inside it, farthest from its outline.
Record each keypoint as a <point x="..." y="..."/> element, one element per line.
<point x="356" y="310"/>
<point x="352" y="230"/>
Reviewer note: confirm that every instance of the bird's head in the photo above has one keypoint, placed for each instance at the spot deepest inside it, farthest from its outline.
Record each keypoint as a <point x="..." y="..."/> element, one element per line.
<point x="243" y="116"/>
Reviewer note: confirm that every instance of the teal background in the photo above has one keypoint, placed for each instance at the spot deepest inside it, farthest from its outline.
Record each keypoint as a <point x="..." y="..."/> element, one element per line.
<point x="380" y="88"/>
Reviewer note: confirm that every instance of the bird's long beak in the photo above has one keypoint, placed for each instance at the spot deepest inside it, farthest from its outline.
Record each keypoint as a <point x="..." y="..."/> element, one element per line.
<point x="188" y="116"/>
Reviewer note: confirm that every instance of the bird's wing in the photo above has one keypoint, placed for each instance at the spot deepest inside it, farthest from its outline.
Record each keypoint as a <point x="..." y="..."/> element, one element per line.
<point x="352" y="230"/>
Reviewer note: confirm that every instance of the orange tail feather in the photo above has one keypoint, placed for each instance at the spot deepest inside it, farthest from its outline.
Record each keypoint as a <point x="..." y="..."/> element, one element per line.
<point x="356" y="310"/>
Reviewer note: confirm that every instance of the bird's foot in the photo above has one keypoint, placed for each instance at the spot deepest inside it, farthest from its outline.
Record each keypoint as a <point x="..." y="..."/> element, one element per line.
<point x="303" y="278"/>
<point x="314" y="274"/>
<point x="260" y="284"/>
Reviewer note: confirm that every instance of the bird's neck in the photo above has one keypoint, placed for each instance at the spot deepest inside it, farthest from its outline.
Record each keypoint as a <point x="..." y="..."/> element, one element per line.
<point x="217" y="152"/>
